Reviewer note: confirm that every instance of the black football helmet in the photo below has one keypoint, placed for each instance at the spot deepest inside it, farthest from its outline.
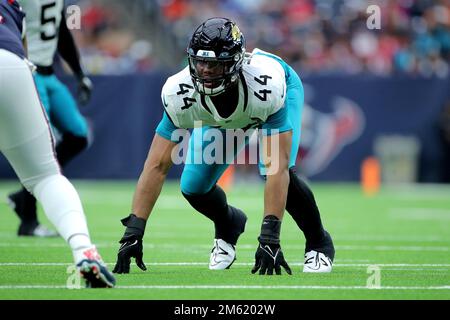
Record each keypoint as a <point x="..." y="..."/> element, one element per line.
<point x="215" y="53"/>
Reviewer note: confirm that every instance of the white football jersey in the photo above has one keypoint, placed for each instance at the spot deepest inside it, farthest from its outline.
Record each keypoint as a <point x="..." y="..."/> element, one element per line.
<point x="43" y="18"/>
<point x="262" y="91"/>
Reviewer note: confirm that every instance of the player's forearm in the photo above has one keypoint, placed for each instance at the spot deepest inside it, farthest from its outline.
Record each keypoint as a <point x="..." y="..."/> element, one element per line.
<point x="68" y="49"/>
<point x="147" y="190"/>
<point x="152" y="177"/>
<point x="275" y="193"/>
<point x="276" y="156"/>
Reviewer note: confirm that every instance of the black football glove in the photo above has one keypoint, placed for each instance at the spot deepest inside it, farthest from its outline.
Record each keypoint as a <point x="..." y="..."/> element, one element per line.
<point x="269" y="256"/>
<point x="131" y="245"/>
<point x="84" y="90"/>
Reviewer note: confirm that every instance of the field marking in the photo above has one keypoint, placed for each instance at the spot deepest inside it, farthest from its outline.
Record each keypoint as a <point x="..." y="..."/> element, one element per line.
<point x="387" y="237"/>
<point x="343" y="238"/>
<point x="343" y="265"/>
<point x="240" y="247"/>
<point x="165" y="201"/>
<point x="392" y="248"/>
<point x="420" y="214"/>
<point x="226" y="287"/>
<point x="416" y="192"/>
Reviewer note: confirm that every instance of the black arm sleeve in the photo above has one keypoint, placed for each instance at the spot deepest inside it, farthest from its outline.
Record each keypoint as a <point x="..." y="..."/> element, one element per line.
<point x="67" y="48"/>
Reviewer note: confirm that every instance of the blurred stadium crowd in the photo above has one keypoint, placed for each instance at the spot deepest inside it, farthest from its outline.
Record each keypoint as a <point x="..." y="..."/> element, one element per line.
<point x="314" y="36"/>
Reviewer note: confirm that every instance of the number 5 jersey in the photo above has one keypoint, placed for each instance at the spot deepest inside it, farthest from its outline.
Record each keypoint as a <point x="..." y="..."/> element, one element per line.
<point x="43" y="18"/>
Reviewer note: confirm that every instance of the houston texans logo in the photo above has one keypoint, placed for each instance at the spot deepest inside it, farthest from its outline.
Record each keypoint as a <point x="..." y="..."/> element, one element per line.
<point x="324" y="135"/>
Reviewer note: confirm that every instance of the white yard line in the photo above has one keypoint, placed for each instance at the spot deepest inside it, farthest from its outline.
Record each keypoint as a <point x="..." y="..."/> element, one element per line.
<point x="393" y="248"/>
<point x="391" y="238"/>
<point x="418" y="192"/>
<point x="420" y="214"/>
<point x="340" y="265"/>
<point x="239" y="247"/>
<point x="227" y="287"/>
<point x="342" y="238"/>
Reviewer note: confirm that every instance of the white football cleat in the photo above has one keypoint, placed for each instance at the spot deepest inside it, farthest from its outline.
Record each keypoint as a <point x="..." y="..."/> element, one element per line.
<point x="223" y="255"/>
<point x="317" y="262"/>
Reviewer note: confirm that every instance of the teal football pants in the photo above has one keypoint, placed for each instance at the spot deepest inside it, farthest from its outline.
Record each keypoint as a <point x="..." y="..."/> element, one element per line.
<point x="60" y="106"/>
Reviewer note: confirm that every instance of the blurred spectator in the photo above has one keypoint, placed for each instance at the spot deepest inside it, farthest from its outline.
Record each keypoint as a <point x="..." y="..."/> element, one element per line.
<point x="319" y="36"/>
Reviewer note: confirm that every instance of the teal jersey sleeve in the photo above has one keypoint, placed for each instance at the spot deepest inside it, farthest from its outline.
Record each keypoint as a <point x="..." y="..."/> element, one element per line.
<point x="278" y="121"/>
<point x="166" y="128"/>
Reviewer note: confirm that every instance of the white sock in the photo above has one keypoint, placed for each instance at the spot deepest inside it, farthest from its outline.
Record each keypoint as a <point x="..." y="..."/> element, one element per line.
<point x="89" y="253"/>
<point x="80" y="244"/>
<point x="63" y="208"/>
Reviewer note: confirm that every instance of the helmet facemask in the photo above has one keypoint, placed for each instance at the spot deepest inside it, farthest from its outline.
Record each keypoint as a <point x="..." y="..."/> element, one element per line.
<point x="212" y="75"/>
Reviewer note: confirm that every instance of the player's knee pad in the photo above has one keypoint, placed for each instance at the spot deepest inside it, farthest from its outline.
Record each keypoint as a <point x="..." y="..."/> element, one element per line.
<point x="229" y="222"/>
<point x="193" y="184"/>
<point x="213" y="200"/>
<point x="211" y="204"/>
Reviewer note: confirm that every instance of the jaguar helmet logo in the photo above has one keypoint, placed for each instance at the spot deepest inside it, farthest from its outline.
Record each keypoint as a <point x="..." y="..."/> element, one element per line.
<point x="236" y="33"/>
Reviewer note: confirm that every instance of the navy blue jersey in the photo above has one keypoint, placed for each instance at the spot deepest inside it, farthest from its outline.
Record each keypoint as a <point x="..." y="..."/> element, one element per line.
<point x="11" y="17"/>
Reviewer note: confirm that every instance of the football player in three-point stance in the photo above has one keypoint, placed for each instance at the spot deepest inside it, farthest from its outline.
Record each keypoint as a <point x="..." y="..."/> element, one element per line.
<point x="226" y="88"/>
<point x="47" y="33"/>
<point x="27" y="143"/>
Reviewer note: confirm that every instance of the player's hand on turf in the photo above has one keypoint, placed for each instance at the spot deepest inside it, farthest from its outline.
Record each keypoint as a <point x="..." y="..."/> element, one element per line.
<point x="84" y="90"/>
<point x="269" y="257"/>
<point x="130" y="248"/>
<point x="131" y="244"/>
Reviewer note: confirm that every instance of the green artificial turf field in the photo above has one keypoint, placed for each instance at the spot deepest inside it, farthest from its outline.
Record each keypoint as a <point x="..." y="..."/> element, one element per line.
<point x="402" y="232"/>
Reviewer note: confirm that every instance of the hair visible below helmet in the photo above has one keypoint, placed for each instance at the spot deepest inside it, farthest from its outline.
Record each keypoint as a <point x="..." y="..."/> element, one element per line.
<point x="218" y="44"/>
